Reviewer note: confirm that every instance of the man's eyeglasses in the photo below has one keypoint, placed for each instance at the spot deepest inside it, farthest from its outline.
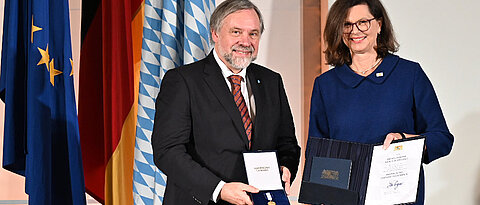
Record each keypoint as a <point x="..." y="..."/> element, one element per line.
<point x="362" y="25"/>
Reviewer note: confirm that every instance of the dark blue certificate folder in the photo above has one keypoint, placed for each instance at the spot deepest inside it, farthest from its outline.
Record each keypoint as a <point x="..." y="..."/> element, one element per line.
<point x="313" y="191"/>
<point x="340" y="158"/>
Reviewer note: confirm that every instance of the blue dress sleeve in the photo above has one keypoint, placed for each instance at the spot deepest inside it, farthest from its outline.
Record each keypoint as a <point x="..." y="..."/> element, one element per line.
<point x="429" y="120"/>
<point x="318" y="125"/>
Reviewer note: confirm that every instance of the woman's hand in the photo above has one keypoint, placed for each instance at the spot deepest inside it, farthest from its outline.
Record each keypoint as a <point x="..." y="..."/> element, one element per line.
<point x="286" y="178"/>
<point x="394" y="136"/>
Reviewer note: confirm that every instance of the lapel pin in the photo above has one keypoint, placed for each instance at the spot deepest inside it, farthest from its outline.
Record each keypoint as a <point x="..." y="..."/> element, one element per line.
<point x="258" y="81"/>
<point x="379" y="74"/>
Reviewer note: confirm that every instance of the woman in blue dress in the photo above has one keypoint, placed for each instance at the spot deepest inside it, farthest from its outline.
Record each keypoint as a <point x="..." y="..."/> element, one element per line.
<point x="371" y="95"/>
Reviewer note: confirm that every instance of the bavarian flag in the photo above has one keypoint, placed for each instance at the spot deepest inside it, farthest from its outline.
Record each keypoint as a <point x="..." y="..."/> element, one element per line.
<point x="41" y="136"/>
<point x="108" y="94"/>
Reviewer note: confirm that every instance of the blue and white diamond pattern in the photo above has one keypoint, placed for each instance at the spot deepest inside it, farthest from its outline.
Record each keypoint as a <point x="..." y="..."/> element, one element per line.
<point x="175" y="32"/>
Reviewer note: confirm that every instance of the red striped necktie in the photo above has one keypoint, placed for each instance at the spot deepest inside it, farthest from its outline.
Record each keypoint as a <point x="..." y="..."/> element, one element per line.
<point x="241" y="105"/>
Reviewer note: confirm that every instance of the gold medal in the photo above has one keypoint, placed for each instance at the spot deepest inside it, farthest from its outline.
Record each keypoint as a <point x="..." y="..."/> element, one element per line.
<point x="269" y="198"/>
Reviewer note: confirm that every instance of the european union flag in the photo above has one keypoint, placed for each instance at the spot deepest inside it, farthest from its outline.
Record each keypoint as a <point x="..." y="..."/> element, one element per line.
<point x="41" y="139"/>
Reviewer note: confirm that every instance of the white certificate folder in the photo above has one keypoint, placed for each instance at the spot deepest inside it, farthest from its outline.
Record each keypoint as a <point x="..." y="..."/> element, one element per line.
<point x="263" y="173"/>
<point x="377" y="176"/>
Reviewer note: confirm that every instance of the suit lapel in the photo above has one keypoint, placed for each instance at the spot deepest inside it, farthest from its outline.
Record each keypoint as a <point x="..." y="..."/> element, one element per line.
<point x="256" y="83"/>
<point x="215" y="81"/>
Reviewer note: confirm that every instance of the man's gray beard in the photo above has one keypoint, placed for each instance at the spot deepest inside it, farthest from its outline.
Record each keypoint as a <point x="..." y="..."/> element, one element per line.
<point x="238" y="62"/>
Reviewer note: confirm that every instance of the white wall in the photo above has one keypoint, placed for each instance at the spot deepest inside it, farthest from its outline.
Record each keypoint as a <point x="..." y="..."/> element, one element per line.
<point x="442" y="36"/>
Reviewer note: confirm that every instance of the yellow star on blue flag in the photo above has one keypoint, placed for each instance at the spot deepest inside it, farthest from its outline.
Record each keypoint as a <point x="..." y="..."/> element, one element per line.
<point x="34" y="28"/>
<point x="45" y="57"/>
<point x="53" y="72"/>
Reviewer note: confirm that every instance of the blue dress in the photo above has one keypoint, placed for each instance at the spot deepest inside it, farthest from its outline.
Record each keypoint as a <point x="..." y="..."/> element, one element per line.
<point x="396" y="97"/>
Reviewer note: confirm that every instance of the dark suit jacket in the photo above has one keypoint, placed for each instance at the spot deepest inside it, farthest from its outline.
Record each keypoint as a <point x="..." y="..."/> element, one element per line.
<point x="198" y="136"/>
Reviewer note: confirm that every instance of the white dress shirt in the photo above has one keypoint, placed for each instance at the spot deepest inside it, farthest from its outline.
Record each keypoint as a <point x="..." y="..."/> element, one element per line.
<point x="249" y="101"/>
<point x="245" y="85"/>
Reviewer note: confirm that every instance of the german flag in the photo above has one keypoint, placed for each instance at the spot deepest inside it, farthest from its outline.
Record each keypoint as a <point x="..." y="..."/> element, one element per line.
<point x="108" y="94"/>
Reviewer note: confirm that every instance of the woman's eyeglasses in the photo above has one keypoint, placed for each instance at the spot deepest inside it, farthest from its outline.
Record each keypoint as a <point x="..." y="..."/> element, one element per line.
<point x="362" y="25"/>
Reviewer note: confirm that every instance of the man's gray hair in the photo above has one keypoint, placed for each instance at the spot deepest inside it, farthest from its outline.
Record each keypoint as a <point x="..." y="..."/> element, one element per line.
<point x="231" y="6"/>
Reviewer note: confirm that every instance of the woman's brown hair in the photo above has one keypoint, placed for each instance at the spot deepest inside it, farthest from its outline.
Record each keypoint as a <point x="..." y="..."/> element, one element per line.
<point x="337" y="53"/>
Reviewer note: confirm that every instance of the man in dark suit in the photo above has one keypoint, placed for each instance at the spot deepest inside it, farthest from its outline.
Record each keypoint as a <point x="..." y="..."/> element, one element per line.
<point x="209" y="112"/>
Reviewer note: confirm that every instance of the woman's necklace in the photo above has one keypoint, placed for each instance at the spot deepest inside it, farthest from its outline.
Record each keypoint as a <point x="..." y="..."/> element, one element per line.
<point x="365" y="71"/>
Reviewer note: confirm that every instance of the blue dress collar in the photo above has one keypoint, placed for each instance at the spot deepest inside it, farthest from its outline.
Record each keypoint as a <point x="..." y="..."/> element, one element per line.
<point x="378" y="76"/>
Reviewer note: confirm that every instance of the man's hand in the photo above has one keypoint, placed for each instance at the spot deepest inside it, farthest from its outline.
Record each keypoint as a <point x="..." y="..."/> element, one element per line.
<point x="236" y="193"/>
<point x="286" y="175"/>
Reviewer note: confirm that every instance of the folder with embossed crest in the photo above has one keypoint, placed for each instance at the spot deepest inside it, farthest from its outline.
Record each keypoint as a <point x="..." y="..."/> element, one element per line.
<point x="331" y="172"/>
